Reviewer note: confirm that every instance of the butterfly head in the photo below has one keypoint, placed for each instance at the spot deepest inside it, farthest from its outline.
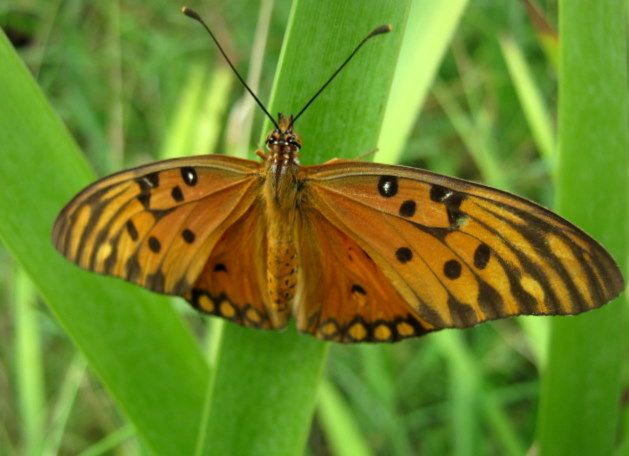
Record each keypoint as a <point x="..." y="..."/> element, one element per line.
<point x="283" y="139"/>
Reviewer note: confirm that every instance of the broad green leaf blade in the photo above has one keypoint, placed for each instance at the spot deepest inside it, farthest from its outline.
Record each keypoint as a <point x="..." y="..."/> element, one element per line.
<point x="179" y="135"/>
<point x="346" y="118"/>
<point x="431" y="25"/>
<point x="133" y="340"/>
<point x="538" y="333"/>
<point x="266" y="383"/>
<point x="195" y="126"/>
<point x="579" y="412"/>
<point x="213" y="109"/>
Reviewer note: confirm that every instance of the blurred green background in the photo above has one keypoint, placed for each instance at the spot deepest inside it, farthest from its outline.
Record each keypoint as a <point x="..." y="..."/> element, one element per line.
<point x="473" y="93"/>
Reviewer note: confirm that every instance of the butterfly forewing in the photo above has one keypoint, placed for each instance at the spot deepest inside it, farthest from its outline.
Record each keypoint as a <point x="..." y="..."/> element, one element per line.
<point x="460" y="253"/>
<point x="156" y="225"/>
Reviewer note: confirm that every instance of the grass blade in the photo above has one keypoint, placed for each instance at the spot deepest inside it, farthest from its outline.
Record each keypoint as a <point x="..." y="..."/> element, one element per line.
<point x="431" y="25"/>
<point x="535" y="111"/>
<point x="240" y="124"/>
<point x="266" y="383"/>
<point x="339" y="425"/>
<point x="579" y="412"/>
<point x="134" y="341"/>
<point x="475" y="131"/>
<point x="28" y="363"/>
<point x="110" y="443"/>
<point x="195" y="126"/>
<point x="63" y="405"/>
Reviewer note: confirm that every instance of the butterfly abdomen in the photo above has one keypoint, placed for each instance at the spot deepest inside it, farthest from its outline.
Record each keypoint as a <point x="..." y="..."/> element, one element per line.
<point x="281" y="194"/>
<point x="282" y="266"/>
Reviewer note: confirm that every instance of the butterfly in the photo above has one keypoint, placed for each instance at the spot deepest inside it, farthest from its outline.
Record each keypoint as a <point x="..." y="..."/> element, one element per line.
<point x="354" y="251"/>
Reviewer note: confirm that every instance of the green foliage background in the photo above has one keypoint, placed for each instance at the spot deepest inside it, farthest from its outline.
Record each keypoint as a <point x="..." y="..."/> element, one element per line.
<point x="90" y="365"/>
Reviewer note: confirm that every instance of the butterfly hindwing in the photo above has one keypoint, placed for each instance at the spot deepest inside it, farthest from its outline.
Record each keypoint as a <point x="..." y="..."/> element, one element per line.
<point x="460" y="253"/>
<point x="156" y="225"/>
<point x="232" y="283"/>
<point x="344" y="296"/>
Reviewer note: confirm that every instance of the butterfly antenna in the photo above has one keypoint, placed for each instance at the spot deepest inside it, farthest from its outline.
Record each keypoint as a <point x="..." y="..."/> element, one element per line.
<point x="194" y="15"/>
<point x="377" y="31"/>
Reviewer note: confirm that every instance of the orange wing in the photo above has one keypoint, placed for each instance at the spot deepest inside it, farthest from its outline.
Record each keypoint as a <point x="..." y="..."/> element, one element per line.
<point x="232" y="284"/>
<point x="160" y="225"/>
<point x="456" y="253"/>
<point x="344" y="295"/>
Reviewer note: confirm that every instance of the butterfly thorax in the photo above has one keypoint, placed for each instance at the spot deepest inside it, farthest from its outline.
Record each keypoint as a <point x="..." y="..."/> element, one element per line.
<point x="282" y="159"/>
<point x="281" y="194"/>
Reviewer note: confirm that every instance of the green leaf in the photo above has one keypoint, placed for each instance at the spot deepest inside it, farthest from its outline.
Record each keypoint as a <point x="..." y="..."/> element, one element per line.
<point x="430" y="28"/>
<point x="265" y="383"/>
<point x="194" y="128"/>
<point x="133" y="340"/>
<point x="579" y="411"/>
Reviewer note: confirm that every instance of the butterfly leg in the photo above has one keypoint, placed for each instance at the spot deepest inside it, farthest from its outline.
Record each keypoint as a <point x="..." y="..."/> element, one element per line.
<point x="262" y="154"/>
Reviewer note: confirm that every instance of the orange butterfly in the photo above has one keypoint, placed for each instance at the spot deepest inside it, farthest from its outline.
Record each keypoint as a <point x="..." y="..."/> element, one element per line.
<point x="253" y="242"/>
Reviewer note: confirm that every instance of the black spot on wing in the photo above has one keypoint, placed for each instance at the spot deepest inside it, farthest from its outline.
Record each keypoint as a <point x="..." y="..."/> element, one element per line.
<point x="144" y="199"/>
<point x="452" y="269"/>
<point x="154" y="245"/>
<point x="177" y="194"/>
<point x="452" y="201"/>
<point x="148" y="181"/>
<point x="358" y="289"/>
<point x="220" y="267"/>
<point x="188" y="236"/>
<point x="388" y="186"/>
<point x="404" y="255"/>
<point x="481" y="256"/>
<point x="438" y="193"/>
<point x="189" y="176"/>
<point x="132" y="230"/>
<point x="407" y="208"/>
